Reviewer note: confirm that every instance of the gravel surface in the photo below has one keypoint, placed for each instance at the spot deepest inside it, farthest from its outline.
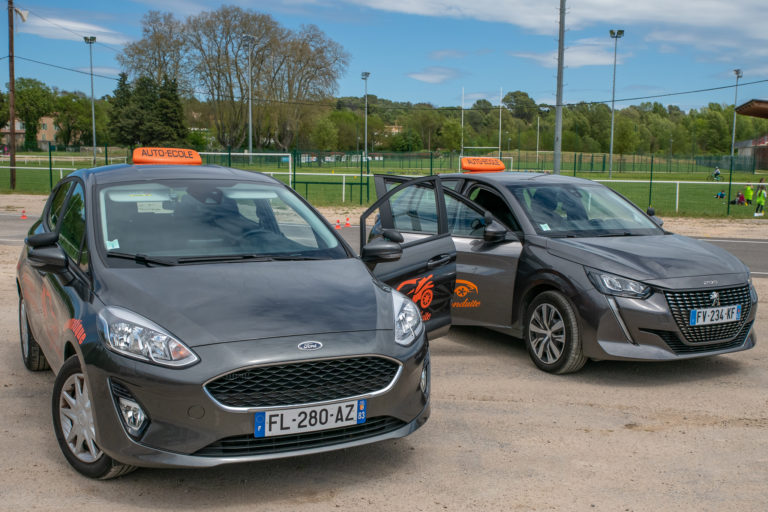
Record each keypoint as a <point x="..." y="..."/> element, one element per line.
<point x="690" y="435"/>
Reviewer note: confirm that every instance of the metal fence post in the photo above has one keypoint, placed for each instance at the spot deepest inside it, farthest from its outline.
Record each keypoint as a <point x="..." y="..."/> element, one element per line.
<point x="229" y="156"/>
<point x="50" y="166"/>
<point x="106" y="155"/>
<point x="650" y="185"/>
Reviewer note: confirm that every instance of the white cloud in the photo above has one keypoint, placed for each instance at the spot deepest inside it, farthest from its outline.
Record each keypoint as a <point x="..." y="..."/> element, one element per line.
<point x="70" y="30"/>
<point x="585" y="52"/>
<point x="101" y="70"/>
<point x="716" y="28"/>
<point x="435" y="75"/>
<point x="447" y="54"/>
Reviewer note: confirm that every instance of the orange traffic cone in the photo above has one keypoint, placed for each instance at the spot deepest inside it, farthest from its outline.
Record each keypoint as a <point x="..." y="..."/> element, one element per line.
<point x="338" y="224"/>
<point x="23" y="214"/>
<point x="347" y="224"/>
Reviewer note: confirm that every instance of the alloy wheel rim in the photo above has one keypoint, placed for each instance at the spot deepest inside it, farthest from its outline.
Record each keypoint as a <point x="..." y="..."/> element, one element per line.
<point x="546" y="333"/>
<point x="24" y="327"/>
<point x="77" y="419"/>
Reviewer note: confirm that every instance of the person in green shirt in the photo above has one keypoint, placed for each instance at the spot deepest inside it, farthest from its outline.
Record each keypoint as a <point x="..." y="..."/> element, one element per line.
<point x="748" y="194"/>
<point x="760" y="201"/>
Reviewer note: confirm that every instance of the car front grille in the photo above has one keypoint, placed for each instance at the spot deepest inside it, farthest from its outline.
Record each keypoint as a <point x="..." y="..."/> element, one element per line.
<point x="303" y="382"/>
<point x="681" y="304"/>
<point x="244" y="445"/>
<point x="678" y="347"/>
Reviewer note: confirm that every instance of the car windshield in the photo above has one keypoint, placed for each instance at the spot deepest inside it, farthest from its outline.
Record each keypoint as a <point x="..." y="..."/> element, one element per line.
<point x="581" y="210"/>
<point x="194" y="220"/>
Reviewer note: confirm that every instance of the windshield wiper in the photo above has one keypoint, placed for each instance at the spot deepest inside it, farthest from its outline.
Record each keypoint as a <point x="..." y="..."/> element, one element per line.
<point x="142" y="258"/>
<point x="223" y="258"/>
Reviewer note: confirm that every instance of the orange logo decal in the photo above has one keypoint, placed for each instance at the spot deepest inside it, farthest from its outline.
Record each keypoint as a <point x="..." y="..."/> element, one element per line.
<point x="421" y="293"/>
<point x="464" y="290"/>
<point x="76" y="326"/>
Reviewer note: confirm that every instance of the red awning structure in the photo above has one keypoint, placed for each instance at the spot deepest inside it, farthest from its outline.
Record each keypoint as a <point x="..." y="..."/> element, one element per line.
<point x="754" y="108"/>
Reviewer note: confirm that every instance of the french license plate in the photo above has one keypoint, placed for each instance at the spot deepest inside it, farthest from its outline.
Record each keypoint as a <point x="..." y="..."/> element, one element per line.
<point x="708" y="316"/>
<point x="309" y="419"/>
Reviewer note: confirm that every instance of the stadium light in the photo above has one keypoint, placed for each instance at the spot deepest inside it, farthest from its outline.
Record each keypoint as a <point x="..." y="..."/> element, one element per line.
<point x="89" y="40"/>
<point x="615" y="35"/>
<point x="364" y="75"/>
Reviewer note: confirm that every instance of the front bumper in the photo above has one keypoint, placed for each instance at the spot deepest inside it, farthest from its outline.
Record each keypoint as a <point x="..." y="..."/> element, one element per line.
<point x="188" y="428"/>
<point x="618" y="328"/>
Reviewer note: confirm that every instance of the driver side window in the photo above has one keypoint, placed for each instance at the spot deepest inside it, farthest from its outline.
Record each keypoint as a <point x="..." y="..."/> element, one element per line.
<point x="495" y="204"/>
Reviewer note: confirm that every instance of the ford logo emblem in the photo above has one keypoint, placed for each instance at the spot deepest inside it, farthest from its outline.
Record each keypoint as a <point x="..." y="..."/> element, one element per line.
<point x="310" y="345"/>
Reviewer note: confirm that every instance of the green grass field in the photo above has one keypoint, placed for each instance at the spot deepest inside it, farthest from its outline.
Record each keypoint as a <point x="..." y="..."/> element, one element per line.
<point x="322" y="183"/>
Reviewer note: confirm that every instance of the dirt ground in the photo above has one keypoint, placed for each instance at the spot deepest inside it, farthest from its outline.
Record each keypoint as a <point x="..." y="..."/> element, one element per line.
<point x="688" y="435"/>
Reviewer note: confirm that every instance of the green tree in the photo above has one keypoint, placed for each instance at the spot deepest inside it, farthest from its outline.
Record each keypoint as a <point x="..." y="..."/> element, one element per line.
<point x="170" y="114"/>
<point x="521" y="105"/>
<point x="73" y="118"/>
<point x="325" y="135"/>
<point x="4" y="114"/>
<point x="34" y="100"/>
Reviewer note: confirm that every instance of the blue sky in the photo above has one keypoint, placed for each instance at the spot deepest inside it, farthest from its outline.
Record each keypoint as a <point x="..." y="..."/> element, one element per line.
<point x="428" y="50"/>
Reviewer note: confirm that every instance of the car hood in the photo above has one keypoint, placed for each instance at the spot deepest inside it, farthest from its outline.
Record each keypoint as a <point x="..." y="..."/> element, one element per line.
<point x="213" y="303"/>
<point x="648" y="258"/>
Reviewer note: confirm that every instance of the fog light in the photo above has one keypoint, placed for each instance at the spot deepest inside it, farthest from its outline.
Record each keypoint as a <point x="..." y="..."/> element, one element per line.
<point x="133" y="416"/>
<point x="424" y="382"/>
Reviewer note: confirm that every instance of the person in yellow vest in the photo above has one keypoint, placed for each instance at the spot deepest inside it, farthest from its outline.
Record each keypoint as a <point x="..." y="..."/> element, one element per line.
<point x="760" y="201"/>
<point x="748" y="194"/>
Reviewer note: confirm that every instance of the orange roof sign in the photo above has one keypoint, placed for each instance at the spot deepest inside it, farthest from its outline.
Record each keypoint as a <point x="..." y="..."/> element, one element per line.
<point x="166" y="156"/>
<point x="481" y="164"/>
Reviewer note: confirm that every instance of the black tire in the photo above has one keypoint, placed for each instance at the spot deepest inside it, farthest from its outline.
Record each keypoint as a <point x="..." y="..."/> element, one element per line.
<point x="73" y="424"/>
<point x="31" y="353"/>
<point x="552" y="334"/>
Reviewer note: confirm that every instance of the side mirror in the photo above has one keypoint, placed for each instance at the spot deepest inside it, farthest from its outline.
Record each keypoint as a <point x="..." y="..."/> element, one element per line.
<point x="494" y="232"/>
<point x="42" y="239"/>
<point x="651" y="211"/>
<point x="49" y="258"/>
<point x="381" y="250"/>
<point x="393" y="235"/>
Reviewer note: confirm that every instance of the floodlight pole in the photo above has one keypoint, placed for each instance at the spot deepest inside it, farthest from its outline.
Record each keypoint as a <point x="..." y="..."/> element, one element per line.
<point x="364" y="75"/>
<point x="615" y="35"/>
<point x="738" y="74"/>
<point x="89" y="40"/>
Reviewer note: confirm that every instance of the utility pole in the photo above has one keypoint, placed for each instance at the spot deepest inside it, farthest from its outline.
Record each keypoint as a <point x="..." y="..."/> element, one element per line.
<point x="11" y="98"/>
<point x="559" y="100"/>
<point x="364" y="75"/>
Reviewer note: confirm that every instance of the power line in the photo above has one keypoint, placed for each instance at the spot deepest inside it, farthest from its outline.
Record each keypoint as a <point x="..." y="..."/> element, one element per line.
<point x="65" y="68"/>
<point x="331" y="102"/>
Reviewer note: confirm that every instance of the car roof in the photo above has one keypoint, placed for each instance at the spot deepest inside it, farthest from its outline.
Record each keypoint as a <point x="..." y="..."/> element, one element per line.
<point x="518" y="178"/>
<point x="128" y="172"/>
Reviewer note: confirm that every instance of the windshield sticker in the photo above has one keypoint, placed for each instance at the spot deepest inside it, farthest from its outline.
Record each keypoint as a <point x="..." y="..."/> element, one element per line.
<point x="544" y="227"/>
<point x="467" y="293"/>
<point x="112" y="244"/>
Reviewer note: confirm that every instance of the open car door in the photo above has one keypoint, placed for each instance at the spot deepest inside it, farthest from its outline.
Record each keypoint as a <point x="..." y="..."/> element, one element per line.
<point x="407" y="245"/>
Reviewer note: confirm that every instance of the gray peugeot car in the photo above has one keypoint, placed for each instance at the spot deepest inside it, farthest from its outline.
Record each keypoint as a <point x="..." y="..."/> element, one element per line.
<point x="577" y="270"/>
<point x="199" y="315"/>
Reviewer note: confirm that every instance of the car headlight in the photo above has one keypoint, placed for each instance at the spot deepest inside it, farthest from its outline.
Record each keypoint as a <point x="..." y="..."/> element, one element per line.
<point x="611" y="284"/>
<point x="408" y="325"/>
<point x="132" y="335"/>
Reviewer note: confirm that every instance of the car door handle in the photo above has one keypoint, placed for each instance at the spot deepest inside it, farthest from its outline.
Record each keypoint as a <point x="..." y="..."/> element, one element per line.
<point x="439" y="260"/>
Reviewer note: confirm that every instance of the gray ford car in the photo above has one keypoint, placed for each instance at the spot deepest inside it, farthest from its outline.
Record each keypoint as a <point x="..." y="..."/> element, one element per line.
<point x="199" y="315"/>
<point x="576" y="270"/>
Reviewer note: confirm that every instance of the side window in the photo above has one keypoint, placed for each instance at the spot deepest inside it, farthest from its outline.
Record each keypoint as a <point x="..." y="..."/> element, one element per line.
<point x="56" y="203"/>
<point x="414" y="210"/>
<point x="72" y="232"/>
<point x="464" y="220"/>
<point x="495" y="204"/>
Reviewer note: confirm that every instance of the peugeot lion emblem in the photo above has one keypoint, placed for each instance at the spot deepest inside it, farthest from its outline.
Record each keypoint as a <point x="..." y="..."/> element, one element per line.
<point x="310" y="345"/>
<point x="715" y="298"/>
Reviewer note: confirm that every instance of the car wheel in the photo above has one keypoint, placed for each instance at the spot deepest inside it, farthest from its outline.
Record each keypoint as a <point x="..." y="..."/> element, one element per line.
<point x="73" y="424"/>
<point x="552" y="334"/>
<point x="31" y="353"/>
